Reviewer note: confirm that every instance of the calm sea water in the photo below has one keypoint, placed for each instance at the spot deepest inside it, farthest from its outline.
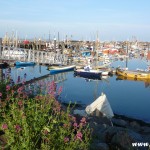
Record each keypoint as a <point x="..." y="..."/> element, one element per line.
<point x="129" y="98"/>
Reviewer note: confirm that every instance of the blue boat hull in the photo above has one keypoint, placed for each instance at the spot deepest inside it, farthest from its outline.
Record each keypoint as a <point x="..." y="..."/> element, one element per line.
<point x="89" y="75"/>
<point x="24" y="63"/>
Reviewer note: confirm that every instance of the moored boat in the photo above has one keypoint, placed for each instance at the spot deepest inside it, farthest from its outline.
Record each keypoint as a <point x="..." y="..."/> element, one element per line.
<point x="88" y="72"/>
<point x="58" y="69"/>
<point x="92" y="74"/>
<point x="24" y="63"/>
<point x="135" y="74"/>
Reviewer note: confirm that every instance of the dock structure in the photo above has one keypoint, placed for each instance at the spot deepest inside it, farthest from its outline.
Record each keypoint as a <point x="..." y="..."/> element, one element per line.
<point x="37" y="56"/>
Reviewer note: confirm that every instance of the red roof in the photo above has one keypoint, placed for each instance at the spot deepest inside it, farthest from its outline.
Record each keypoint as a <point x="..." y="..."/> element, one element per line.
<point x="26" y="42"/>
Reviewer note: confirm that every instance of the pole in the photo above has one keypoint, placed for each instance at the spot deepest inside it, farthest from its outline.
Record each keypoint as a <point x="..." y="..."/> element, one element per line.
<point x="55" y="45"/>
<point x="16" y="39"/>
<point x="58" y="39"/>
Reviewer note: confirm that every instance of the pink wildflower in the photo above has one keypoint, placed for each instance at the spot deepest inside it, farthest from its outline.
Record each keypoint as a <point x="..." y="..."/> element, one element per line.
<point x="52" y="88"/>
<point x="1" y="94"/>
<point x="79" y="136"/>
<point x="18" y="128"/>
<point x="7" y="88"/>
<point x="4" y="126"/>
<point x="75" y="125"/>
<point x="66" y="139"/>
<point x="20" y="103"/>
<point x="83" y="120"/>
<point x="20" y="90"/>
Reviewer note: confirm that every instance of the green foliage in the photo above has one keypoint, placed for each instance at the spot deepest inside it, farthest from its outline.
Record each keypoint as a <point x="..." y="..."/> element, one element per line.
<point x="40" y="123"/>
<point x="6" y="90"/>
<point x="3" y="88"/>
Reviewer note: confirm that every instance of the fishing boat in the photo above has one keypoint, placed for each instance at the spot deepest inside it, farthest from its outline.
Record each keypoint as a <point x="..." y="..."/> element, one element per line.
<point x="93" y="74"/>
<point x="88" y="72"/>
<point x="135" y="74"/>
<point x="24" y="63"/>
<point x="58" y="69"/>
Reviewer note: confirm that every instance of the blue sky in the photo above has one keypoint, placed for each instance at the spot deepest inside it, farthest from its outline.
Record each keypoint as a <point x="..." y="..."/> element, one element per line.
<point x="112" y="19"/>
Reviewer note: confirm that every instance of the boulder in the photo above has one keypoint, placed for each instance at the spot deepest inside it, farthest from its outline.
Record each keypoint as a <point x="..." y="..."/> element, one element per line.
<point x="135" y="126"/>
<point x="145" y="130"/>
<point x="125" y="138"/>
<point x="118" y="136"/>
<point x="119" y="122"/>
<point x="105" y="134"/>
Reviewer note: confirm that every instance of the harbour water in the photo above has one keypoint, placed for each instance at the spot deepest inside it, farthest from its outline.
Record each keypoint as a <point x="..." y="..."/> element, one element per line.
<point x="126" y="97"/>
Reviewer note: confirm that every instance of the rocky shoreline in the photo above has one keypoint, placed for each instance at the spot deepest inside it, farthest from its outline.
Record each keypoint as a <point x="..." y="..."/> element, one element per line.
<point x="119" y="133"/>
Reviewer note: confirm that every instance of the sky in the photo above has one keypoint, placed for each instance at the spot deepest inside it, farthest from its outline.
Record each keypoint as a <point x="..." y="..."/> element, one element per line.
<point x="78" y="19"/>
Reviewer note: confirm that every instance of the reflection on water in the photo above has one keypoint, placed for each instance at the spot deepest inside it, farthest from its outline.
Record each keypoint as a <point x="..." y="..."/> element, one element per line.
<point x="145" y="81"/>
<point x="22" y="74"/>
<point x="126" y="97"/>
<point x="131" y="63"/>
<point x="43" y="86"/>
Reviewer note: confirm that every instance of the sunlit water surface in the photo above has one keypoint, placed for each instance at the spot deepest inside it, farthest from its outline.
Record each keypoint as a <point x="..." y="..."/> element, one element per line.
<point x="129" y="98"/>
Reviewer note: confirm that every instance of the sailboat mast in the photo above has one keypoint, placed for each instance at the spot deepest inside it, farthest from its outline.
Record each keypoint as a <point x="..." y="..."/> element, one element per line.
<point x="16" y="39"/>
<point x="97" y="49"/>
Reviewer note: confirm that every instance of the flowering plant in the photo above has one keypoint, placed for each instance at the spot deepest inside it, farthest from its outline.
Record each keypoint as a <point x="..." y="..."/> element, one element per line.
<point x="40" y="122"/>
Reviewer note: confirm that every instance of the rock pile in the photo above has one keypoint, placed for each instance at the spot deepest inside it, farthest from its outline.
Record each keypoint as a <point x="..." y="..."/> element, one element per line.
<point x="119" y="133"/>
